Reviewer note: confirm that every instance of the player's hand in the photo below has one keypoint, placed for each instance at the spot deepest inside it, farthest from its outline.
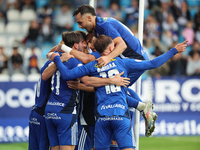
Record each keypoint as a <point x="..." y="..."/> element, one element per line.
<point x="120" y="81"/>
<point x="66" y="56"/>
<point x="103" y="60"/>
<point x="52" y="55"/>
<point x="181" y="47"/>
<point x="73" y="84"/>
<point x="58" y="48"/>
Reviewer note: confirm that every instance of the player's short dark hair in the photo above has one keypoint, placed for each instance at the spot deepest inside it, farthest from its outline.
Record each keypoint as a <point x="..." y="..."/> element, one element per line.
<point x="102" y="42"/>
<point x="83" y="9"/>
<point x="82" y="33"/>
<point x="70" y="38"/>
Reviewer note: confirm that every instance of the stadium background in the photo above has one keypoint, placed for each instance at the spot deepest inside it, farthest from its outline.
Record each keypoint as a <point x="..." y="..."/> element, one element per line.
<point x="174" y="89"/>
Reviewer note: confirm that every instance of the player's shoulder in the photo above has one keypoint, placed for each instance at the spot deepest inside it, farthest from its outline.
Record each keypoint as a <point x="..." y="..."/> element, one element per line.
<point x="73" y="60"/>
<point x="96" y="54"/>
<point x="105" y="21"/>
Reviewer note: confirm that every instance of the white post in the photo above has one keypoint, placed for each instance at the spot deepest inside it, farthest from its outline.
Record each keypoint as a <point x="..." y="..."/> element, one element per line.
<point x="138" y="83"/>
<point x="93" y="3"/>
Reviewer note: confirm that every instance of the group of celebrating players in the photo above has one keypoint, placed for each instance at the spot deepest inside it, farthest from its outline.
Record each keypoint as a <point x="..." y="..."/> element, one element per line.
<point x="82" y="99"/>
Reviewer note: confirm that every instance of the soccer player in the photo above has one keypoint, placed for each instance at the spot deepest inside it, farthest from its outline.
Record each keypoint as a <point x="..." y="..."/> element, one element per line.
<point x="126" y="44"/>
<point x="38" y="138"/>
<point x="61" y="109"/>
<point x="112" y="110"/>
<point x="60" y="112"/>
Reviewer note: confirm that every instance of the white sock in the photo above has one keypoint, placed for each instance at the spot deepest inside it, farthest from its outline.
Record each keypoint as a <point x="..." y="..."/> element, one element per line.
<point x="141" y="106"/>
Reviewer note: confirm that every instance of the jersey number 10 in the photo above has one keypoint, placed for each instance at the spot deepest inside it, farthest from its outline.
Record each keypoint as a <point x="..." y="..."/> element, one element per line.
<point x="110" y="74"/>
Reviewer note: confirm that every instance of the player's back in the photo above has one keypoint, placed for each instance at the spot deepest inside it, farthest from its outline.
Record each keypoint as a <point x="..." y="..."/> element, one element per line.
<point x="42" y="90"/>
<point x="111" y="99"/>
<point x="62" y="98"/>
<point x="114" y="28"/>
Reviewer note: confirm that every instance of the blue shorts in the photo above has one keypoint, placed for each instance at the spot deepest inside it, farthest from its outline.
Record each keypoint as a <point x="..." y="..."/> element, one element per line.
<point x="85" y="137"/>
<point x="119" y="127"/>
<point x="61" y="128"/>
<point x="38" y="138"/>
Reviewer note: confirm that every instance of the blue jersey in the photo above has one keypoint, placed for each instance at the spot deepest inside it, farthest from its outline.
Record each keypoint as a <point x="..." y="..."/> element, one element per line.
<point x="43" y="91"/>
<point x="62" y="98"/>
<point x="111" y="99"/>
<point x="114" y="28"/>
<point x="96" y="54"/>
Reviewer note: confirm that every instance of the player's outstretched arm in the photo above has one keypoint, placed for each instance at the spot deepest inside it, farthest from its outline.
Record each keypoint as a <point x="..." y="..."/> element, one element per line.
<point x="81" y="86"/>
<point x="91" y="82"/>
<point x="97" y="82"/>
<point x="83" y="57"/>
<point x="67" y="74"/>
<point x="158" y="61"/>
<point x="61" y="47"/>
<point x="181" y="47"/>
<point x="51" y="69"/>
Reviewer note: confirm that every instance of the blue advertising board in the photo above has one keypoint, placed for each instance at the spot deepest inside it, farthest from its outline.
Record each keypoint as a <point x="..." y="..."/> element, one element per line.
<point x="16" y="100"/>
<point x="176" y="101"/>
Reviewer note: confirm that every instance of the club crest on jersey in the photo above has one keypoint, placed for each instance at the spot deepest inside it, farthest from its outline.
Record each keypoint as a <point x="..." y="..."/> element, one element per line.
<point x="113" y="59"/>
<point x="104" y="19"/>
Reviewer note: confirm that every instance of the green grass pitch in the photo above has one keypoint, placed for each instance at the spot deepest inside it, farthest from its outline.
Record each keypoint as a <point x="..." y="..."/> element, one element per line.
<point x="150" y="143"/>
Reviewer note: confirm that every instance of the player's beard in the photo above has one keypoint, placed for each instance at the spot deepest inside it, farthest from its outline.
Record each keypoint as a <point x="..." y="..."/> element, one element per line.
<point x="90" y="30"/>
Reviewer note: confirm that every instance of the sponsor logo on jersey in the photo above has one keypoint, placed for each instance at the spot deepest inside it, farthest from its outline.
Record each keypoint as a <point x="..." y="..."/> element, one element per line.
<point x="52" y="116"/>
<point x="113" y="106"/>
<point x="34" y="121"/>
<point x="56" y="104"/>
<point x="111" y="118"/>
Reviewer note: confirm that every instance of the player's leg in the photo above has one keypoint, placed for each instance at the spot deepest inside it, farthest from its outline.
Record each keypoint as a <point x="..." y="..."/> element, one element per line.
<point x="103" y="134"/>
<point x="150" y="117"/>
<point x="146" y="110"/>
<point x="123" y="132"/>
<point x="38" y="132"/>
<point x="114" y="145"/>
<point x="33" y="142"/>
<point x="67" y="147"/>
<point x="55" y="147"/>
<point x="51" y="119"/>
<point x="85" y="137"/>
<point x="67" y="131"/>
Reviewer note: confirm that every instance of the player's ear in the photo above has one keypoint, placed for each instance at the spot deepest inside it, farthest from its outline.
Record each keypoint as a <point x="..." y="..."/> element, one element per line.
<point x="89" y="17"/>
<point x="110" y="48"/>
<point x="75" y="45"/>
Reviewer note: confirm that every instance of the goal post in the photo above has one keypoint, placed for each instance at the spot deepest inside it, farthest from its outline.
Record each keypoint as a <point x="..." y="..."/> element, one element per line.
<point x="138" y="83"/>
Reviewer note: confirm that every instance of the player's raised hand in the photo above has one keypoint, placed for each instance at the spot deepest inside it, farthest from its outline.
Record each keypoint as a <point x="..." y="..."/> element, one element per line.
<point x="58" y="48"/>
<point x="120" y="81"/>
<point x="181" y="47"/>
<point x="66" y="56"/>
<point x="103" y="60"/>
<point x="52" y="55"/>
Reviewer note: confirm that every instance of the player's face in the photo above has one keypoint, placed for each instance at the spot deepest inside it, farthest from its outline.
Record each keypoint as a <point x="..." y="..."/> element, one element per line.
<point x="109" y="49"/>
<point x="84" y="22"/>
<point x="82" y="45"/>
<point x="90" y="41"/>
